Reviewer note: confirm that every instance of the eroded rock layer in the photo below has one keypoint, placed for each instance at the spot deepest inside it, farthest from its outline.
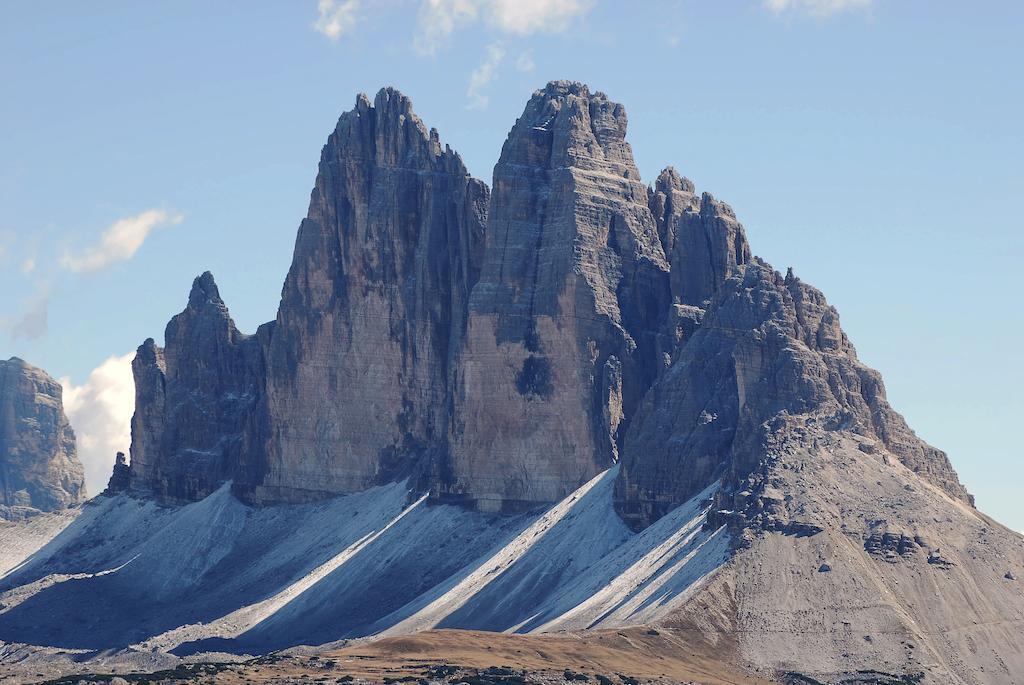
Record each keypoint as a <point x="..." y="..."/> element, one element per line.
<point x="561" y="336"/>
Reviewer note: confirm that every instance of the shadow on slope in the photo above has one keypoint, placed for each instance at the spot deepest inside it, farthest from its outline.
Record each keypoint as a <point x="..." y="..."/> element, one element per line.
<point x="175" y="566"/>
<point x="218" y="575"/>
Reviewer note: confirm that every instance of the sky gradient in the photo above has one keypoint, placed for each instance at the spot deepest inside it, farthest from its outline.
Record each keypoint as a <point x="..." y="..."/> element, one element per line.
<point x="873" y="146"/>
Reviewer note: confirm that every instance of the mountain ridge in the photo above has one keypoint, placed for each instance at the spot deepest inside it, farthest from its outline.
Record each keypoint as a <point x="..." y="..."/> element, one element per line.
<point x="419" y="385"/>
<point x="566" y="403"/>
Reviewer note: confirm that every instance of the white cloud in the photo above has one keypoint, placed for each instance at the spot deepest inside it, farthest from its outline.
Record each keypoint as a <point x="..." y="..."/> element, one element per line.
<point x="335" y="18"/>
<point x="438" y="19"/>
<point x="530" y="16"/>
<point x="28" y="266"/>
<point x="483" y="75"/>
<point x="815" y="8"/>
<point x="100" y="411"/>
<point x="525" y="61"/>
<point x="120" y="242"/>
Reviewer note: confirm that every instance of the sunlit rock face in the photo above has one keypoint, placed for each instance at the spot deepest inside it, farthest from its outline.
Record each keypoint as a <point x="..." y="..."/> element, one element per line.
<point x="39" y="467"/>
<point x="561" y="338"/>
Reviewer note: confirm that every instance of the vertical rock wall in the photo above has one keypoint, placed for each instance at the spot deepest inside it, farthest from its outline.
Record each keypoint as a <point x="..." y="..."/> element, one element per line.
<point x="39" y="467"/>
<point x="359" y="358"/>
<point x="560" y="340"/>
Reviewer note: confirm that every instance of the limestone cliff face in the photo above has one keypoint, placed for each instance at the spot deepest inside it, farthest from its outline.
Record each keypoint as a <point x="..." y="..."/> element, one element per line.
<point x="499" y="348"/>
<point x="769" y="351"/>
<point x="39" y="467"/>
<point x="561" y="334"/>
<point x="195" y="400"/>
<point x="375" y="301"/>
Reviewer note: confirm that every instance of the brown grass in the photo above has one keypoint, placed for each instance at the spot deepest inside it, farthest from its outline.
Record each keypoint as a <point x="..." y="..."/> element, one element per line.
<point x="668" y="655"/>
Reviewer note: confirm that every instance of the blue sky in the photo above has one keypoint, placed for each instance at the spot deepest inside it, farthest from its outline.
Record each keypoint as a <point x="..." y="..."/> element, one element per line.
<point x="875" y="146"/>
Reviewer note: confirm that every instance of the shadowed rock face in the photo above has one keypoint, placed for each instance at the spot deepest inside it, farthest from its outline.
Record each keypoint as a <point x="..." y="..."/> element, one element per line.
<point x="502" y="348"/>
<point x="194" y="400"/>
<point x="349" y="386"/>
<point x="39" y="467"/>
<point x="768" y="349"/>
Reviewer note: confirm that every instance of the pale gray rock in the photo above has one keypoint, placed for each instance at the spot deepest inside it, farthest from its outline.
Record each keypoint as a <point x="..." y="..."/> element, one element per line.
<point x="563" y="324"/>
<point x="39" y="467"/>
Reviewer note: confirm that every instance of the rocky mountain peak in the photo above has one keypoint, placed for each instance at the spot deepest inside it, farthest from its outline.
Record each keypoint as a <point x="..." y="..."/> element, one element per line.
<point x="39" y="467"/>
<point x="564" y="124"/>
<point x="193" y="399"/>
<point x="372" y="308"/>
<point x="502" y="348"/>
<point x="768" y="347"/>
<point x="572" y="296"/>
<point x="388" y="131"/>
<point x="708" y="246"/>
<point x="671" y="197"/>
<point x="204" y="292"/>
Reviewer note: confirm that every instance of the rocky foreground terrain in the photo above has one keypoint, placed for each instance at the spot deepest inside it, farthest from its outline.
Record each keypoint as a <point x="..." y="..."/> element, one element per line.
<point x="570" y="410"/>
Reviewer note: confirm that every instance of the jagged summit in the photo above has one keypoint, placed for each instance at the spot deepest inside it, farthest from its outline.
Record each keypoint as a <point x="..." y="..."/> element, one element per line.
<point x="204" y="291"/>
<point x="397" y="135"/>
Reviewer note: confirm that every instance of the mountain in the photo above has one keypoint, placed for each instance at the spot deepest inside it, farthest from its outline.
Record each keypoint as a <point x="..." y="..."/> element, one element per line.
<point x="570" y="403"/>
<point x="39" y="467"/>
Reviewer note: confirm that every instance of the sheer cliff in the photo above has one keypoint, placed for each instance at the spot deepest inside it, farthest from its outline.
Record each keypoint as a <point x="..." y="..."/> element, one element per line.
<point x="39" y="467"/>
<point x="561" y="339"/>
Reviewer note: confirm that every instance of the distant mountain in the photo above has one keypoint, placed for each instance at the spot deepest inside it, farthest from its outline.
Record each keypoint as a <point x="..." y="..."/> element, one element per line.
<point x="565" y="403"/>
<point x="39" y="467"/>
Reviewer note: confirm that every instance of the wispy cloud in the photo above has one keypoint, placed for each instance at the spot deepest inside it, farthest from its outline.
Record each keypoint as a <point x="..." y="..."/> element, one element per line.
<point x="120" y="241"/>
<point x="335" y="18"/>
<point x="438" y="19"/>
<point x="483" y="75"/>
<point x="29" y="265"/>
<point x="530" y="16"/>
<point x="525" y="61"/>
<point x="815" y="8"/>
<point x="100" y="411"/>
<point x="6" y="240"/>
<point x="34" y="321"/>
